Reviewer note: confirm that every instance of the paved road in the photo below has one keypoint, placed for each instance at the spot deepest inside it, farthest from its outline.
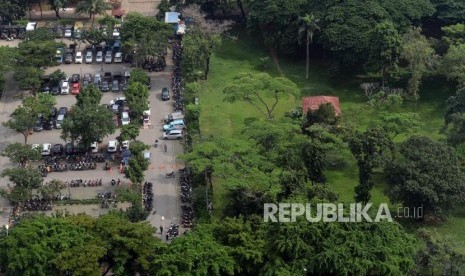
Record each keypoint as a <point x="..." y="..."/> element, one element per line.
<point x="165" y="190"/>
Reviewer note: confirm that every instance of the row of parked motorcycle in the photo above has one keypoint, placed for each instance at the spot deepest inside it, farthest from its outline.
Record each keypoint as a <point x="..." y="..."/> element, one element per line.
<point x="147" y="196"/>
<point x="186" y="198"/>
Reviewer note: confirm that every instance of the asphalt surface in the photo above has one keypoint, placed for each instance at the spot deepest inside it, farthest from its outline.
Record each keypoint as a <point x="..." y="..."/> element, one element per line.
<point x="166" y="191"/>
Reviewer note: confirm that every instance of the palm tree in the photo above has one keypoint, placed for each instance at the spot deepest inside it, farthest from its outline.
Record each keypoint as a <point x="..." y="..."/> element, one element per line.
<point x="309" y="27"/>
<point x="92" y="7"/>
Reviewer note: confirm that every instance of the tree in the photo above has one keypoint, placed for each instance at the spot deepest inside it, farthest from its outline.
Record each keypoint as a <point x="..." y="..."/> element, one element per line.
<point x="324" y="115"/>
<point x="56" y="76"/>
<point x="137" y="97"/>
<point x="309" y="27"/>
<point x="454" y="34"/>
<point x="88" y="96"/>
<point x="138" y="147"/>
<point x="257" y="89"/>
<point x="51" y="189"/>
<point x="37" y="53"/>
<point x="92" y="8"/>
<point x="93" y="36"/>
<point x="25" y="180"/>
<point x="21" y="153"/>
<point x="449" y="11"/>
<point x="11" y="10"/>
<point x="426" y="173"/>
<point x="40" y="104"/>
<point x="140" y="76"/>
<point x="57" y="5"/>
<point x="398" y="123"/>
<point x="210" y="31"/>
<point x="88" y="124"/>
<point x="136" y="168"/>
<point x="129" y="132"/>
<point x="454" y="119"/>
<point x="452" y="64"/>
<point x="163" y="7"/>
<point x="384" y="50"/>
<point x="369" y="149"/>
<point x="28" y="77"/>
<point x="419" y="54"/>
<point x="22" y="120"/>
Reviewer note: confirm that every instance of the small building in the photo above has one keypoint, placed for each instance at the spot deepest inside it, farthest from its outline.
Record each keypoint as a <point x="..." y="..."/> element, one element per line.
<point x="178" y="25"/>
<point x="314" y="102"/>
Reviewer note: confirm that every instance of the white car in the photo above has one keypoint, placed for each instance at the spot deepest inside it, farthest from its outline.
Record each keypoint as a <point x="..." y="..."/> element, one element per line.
<point x="89" y="57"/>
<point x="112" y="146"/>
<point x="46" y="149"/>
<point x="117" y="100"/>
<point x="35" y="146"/>
<point x="99" y="57"/>
<point x="115" y="33"/>
<point x="78" y="57"/>
<point x="108" y="57"/>
<point x="68" y="33"/>
<point x="172" y="134"/>
<point x="148" y="156"/>
<point x="64" y="87"/>
<point x="124" y="146"/>
<point x="118" y="57"/>
<point x="94" y="147"/>
<point x="125" y="119"/>
<point x="176" y="124"/>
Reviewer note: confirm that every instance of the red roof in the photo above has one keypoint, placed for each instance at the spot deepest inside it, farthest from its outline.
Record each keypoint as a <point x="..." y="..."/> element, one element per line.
<point x="313" y="103"/>
<point x="117" y="12"/>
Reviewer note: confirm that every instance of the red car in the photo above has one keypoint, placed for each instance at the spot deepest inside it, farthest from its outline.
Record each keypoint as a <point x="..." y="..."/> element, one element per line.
<point x="76" y="88"/>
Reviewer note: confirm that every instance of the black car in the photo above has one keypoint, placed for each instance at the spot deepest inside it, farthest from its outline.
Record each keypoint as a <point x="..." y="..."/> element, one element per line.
<point x="39" y="126"/>
<point x="45" y="88"/>
<point x="57" y="150"/>
<point x="104" y="87"/>
<point x="87" y="77"/>
<point x="69" y="149"/>
<point x="53" y="112"/>
<point x="49" y="124"/>
<point x="79" y="149"/>
<point x="63" y="111"/>
<point x="125" y="86"/>
<point x="108" y="76"/>
<point x="69" y="58"/>
<point x="115" y="86"/>
<point x="165" y="94"/>
<point x="75" y="78"/>
<point x="117" y="76"/>
<point x="55" y="90"/>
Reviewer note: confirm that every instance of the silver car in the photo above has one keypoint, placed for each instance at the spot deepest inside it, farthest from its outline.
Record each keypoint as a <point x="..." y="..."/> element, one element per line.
<point x="89" y="57"/>
<point x="99" y="57"/>
<point x="108" y="57"/>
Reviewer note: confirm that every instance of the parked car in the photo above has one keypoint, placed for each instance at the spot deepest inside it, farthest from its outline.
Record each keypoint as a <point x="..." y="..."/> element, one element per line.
<point x="68" y="58"/>
<point x="174" y="116"/>
<point x="45" y="88"/>
<point x="87" y="77"/>
<point x="39" y="125"/>
<point x="115" y="86"/>
<point x="108" y="57"/>
<point x="173" y="134"/>
<point x="127" y="75"/>
<point x="49" y="124"/>
<point x="69" y="149"/>
<point x="125" y="119"/>
<point x="75" y="78"/>
<point x="115" y="33"/>
<point x="124" y="146"/>
<point x="97" y="79"/>
<point x="46" y="149"/>
<point x="165" y="94"/>
<point x="76" y="88"/>
<point x="63" y="111"/>
<point x="99" y="57"/>
<point x="93" y="147"/>
<point x="55" y="90"/>
<point x="57" y="150"/>
<point x="68" y="33"/>
<point x="176" y="124"/>
<point x="64" y="87"/>
<point x="78" y="57"/>
<point x="53" y="112"/>
<point x="112" y="146"/>
<point x="89" y="57"/>
<point x="59" y="121"/>
<point x="118" y="57"/>
<point x="125" y="86"/>
<point x="104" y="87"/>
<point x="118" y="101"/>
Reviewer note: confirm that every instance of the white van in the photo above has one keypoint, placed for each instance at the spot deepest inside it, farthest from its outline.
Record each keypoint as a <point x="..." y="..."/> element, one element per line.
<point x="112" y="146"/>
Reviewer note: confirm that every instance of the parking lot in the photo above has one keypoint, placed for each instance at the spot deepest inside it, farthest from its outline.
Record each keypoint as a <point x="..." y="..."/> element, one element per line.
<point x="165" y="189"/>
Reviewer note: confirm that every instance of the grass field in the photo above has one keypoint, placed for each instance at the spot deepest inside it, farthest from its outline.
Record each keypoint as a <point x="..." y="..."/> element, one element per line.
<point x="226" y="120"/>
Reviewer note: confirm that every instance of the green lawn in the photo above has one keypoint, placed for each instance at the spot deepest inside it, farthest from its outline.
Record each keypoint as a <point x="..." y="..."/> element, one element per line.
<point x="226" y="120"/>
